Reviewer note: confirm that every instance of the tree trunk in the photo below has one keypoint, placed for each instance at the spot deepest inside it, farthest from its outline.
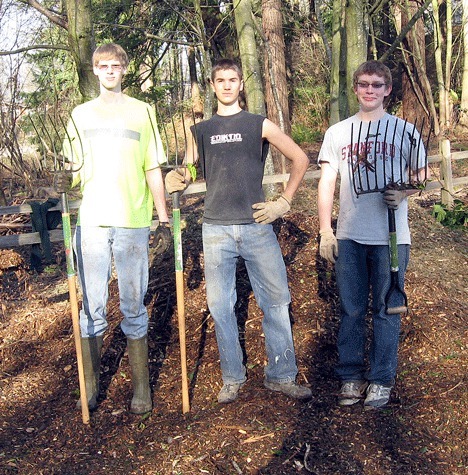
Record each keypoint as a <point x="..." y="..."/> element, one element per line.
<point x="251" y="70"/>
<point x="276" y="88"/>
<point x="336" y="104"/>
<point x="438" y="64"/>
<point x="462" y="127"/>
<point x="82" y="45"/>
<point x="249" y="56"/>
<point x="197" y="105"/>
<point x="205" y="61"/>
<point x="357" y="33"/>
<point x="414" y="105"/>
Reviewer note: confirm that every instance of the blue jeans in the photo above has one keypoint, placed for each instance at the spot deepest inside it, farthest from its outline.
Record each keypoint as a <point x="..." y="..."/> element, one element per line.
<point x="258" y="246"/>
<point x="94" y="248"/>
<point x="359" y="269"/>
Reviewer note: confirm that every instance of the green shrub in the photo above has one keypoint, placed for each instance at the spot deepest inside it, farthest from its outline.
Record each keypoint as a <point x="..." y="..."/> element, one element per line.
<point x="457" y="217"/>
<point x="303" y="134"/>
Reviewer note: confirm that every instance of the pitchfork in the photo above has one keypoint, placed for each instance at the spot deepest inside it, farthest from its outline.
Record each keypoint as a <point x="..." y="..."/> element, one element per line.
<point x="370" y="174"/>
<point x="178" y="258"/>
<point x="67" y="238"/>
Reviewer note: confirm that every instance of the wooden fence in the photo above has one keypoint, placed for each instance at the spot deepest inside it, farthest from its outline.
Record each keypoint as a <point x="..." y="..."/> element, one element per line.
<point x="56" y="235"/>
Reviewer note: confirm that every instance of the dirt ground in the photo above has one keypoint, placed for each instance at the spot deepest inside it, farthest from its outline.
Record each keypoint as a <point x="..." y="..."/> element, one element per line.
<point x="422" y="431"/>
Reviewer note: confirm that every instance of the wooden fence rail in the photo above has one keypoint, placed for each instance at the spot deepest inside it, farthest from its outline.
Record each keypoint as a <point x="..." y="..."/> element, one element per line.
<point x="56" y="235"/>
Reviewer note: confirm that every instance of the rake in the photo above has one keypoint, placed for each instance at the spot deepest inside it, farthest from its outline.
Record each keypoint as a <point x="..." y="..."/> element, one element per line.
<point x="375" y="168"/>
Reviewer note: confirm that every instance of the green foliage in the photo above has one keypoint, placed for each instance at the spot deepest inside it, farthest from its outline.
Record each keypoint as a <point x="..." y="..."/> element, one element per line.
<point x="310" y="112"/>
<point x="457" y="217"/>
<point x="301" y="134"/>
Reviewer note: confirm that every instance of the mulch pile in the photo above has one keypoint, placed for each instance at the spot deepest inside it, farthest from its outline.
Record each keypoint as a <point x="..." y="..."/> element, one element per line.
<point x="423" y="430"/>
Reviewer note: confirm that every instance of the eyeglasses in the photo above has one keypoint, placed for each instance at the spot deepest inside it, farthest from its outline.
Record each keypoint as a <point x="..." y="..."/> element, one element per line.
<point x="113" y="67"/>
<point x="373" y="85"/>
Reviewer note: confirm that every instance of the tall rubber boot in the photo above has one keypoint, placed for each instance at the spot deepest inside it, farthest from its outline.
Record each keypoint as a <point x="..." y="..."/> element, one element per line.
<point x="138" y="356"/>
<point x="91" y="349"/>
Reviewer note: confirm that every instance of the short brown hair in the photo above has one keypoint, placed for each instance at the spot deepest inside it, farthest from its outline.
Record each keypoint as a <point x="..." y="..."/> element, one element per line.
<point x="373" y="67"/>
<point x="224" y="64"/>
<point x="110" y="51"/>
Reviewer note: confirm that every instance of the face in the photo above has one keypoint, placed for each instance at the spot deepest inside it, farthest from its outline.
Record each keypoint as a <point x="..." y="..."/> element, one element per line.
<point x="110" y="73"/>
<point x="371" y="91"/>
<point x="227" y="85"/>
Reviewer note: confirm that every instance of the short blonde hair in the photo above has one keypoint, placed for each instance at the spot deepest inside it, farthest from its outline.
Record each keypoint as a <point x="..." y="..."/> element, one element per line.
<point x="110" y="51"/>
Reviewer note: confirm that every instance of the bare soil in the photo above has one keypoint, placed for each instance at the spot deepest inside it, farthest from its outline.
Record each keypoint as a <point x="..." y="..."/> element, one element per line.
<point x="422" y="431"/>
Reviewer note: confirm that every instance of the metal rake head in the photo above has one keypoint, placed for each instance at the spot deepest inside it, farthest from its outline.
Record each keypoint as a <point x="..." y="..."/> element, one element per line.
<point x="390" y="154"/>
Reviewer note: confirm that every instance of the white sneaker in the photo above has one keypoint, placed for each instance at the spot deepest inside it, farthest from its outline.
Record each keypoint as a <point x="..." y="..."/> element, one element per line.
<point x="229" y="393"/>
<point x="377" y="396"/>
<point x="352" y="392"/>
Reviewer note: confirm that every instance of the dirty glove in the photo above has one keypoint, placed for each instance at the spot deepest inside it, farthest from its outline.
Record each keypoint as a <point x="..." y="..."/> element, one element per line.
<point x="175" y="181"/>
<point x="63" y="181"/>
<point x="162" y="238"/>
<point x="393" y="198"/>
<point x="328" y="245"/>
<point x="271" y="210"/>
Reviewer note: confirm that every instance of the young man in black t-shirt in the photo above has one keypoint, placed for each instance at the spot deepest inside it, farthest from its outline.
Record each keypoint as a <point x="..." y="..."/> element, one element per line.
<point x="232" y="147"/>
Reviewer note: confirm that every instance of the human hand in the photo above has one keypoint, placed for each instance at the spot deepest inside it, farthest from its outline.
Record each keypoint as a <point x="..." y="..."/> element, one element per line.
<point x="270" y="210"/>
<point x="62" y="181"/>
<point x="175" y="181"/>
<point x="393" y="198"/>
<point x="162" y="238"/>
<point x="328" y="245"/>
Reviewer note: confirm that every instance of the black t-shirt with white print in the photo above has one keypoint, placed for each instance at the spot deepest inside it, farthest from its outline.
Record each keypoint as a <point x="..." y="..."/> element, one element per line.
<point x="232" y="155"/>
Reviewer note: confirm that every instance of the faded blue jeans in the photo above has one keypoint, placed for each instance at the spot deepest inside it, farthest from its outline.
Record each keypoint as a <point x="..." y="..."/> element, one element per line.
<point x="361" y="268"/>
<point x="94" y="249"/>
<point x="258" y="246"/>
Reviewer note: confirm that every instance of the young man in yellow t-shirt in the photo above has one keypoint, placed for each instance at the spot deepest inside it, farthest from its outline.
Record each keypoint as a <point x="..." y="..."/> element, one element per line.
<point x="113" y="142"/>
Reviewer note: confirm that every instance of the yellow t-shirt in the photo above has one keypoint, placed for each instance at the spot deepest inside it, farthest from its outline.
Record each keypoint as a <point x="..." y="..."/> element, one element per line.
<point x="114" y="145"/>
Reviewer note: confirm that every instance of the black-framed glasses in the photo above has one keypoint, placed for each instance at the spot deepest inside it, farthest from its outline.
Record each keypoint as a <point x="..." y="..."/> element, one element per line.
<point x="113" y="67"/>
<point x="373" y="85"/>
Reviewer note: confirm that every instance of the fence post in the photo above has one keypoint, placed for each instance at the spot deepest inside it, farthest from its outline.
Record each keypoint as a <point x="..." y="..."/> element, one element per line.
<point x="446" y="194"/>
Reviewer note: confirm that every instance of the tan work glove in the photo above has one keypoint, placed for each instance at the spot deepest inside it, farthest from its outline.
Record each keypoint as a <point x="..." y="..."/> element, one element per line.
<point x="328" y="245"/>
<point x="393" y="198"/>
<point x="270" y="210"/>
<point x="175" y="181"/>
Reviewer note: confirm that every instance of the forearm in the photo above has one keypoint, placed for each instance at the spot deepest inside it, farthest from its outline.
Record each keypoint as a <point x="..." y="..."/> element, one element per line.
<point x="298" y="170"/>
<point x="325" y="208"/>
<point x="326" y="191"/>
<point x="156" y="186"/>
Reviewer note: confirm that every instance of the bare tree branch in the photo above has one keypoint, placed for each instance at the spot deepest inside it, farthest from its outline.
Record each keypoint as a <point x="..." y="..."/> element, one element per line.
<point x="54" y="17"/>
<point x="405" y="31"/>
<point x="33" y="47"/>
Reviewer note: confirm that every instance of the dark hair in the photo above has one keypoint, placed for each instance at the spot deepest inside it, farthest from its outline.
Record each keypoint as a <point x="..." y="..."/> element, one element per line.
<point x="373" y="67"/>
<point x="110" y="51"/>
<point x="223" y="64"/>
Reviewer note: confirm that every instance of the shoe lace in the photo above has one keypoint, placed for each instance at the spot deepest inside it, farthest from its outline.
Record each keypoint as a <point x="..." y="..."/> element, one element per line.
<point x="378" y="390"/>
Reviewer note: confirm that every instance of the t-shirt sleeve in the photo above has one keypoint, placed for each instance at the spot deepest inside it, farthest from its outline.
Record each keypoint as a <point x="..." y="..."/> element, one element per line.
<point x="328" y="151"/>
<point x="155" y="153"/>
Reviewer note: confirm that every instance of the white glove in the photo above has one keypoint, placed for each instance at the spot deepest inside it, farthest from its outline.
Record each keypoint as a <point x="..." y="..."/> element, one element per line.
<point x="328" y="245"/>
<point x="393" y="198"/>
<point x="271" y="210"/>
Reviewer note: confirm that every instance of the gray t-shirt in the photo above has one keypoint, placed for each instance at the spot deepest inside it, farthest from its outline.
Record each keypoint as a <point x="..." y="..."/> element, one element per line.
<point x="376" y="154"/>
